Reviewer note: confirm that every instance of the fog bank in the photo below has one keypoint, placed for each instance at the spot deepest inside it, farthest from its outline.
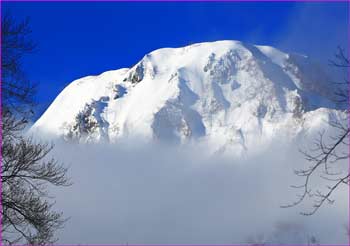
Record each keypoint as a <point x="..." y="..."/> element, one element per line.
<point x="151" y="194"/>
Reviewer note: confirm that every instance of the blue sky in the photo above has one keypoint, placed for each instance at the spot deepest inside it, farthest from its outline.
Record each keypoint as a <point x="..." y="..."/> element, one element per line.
<point x="77" y="39"/>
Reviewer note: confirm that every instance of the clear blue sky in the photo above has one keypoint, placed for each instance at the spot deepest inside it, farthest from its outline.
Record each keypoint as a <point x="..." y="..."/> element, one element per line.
<point x="77" y="39"/>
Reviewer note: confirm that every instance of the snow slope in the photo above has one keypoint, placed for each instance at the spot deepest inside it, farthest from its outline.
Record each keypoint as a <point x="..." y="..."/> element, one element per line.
<point x="227" y="95"/>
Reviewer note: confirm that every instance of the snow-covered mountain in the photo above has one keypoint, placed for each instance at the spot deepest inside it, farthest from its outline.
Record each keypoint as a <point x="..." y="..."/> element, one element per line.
<point x="225" y="94"/>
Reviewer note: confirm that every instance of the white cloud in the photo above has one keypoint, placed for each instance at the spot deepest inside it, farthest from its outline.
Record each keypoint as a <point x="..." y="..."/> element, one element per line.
<point x="128" y="193"/>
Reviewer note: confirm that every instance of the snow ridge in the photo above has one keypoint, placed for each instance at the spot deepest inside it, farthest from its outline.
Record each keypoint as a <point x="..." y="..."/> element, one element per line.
<point x="226" y="94"/>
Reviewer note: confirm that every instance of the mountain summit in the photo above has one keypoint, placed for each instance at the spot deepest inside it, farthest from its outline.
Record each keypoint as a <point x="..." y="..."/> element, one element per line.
<point x="226" y="94"/>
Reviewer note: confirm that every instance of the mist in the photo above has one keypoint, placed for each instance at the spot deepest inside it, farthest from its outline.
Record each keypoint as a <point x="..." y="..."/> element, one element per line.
<point x="129" y="193"/>
<point x="316" y="30"/>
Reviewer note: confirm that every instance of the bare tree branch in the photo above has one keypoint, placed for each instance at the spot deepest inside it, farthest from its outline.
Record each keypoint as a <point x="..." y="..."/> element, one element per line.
<point x="27" y="215"/>
<point x="328" y="152"/>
